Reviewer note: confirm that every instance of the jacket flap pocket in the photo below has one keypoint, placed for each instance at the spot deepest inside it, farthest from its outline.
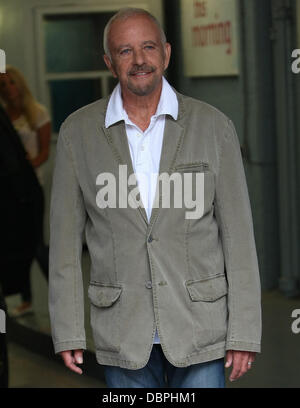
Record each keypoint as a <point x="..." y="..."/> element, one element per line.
<point x="103" y="295"/>
<point x="192" y="167"/>
<point x="207" y="290"/>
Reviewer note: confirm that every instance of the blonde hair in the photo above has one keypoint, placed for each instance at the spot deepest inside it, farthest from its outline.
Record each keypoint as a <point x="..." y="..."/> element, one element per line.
<point x="31" y="108"/>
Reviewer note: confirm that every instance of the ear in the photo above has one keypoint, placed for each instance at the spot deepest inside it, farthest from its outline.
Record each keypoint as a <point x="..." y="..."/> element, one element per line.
<point x="167" y="54"/>
<point x="109" y="65"/>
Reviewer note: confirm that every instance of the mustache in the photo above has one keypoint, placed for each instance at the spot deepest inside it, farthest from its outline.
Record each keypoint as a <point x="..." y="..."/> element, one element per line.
<point x="141" y="68"/>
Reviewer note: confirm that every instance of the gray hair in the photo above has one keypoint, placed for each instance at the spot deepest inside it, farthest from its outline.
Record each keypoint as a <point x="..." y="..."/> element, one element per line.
<point x="123" y="14"/>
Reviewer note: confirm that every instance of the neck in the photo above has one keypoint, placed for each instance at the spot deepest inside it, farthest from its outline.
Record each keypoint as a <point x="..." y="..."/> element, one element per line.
<point x="140" y="109"/>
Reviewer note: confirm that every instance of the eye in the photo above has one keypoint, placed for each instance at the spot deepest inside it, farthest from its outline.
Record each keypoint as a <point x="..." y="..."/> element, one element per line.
<point x="125" y="51"/>
<point x="149" y="47"/>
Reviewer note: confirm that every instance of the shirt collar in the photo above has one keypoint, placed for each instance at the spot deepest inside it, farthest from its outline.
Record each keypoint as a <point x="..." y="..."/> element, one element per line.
<point x="167" y="105"/>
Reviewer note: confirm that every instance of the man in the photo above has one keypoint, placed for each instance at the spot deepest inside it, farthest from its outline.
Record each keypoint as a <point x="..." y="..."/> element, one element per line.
<point x="189" y="283"/>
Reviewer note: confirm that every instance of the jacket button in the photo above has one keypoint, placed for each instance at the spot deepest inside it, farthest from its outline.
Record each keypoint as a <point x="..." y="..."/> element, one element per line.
<point x="149" y="285"/>
<point x="150" y="239"/>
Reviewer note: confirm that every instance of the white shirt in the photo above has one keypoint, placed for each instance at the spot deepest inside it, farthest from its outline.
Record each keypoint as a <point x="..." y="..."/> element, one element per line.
<point x="145" y="147"/>
<point x="29" y="137"/>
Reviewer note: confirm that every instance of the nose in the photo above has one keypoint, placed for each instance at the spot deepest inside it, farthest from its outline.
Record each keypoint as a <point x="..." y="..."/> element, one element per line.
<point x="138" y="57"/>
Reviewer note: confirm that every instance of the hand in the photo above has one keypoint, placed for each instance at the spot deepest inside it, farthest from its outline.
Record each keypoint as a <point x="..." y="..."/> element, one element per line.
<point x="71" y="361"/>
<point x="240" y="361"/>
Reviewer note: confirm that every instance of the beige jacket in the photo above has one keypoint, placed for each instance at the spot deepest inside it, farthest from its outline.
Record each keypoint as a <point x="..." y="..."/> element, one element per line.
<point x="197" y="280"/>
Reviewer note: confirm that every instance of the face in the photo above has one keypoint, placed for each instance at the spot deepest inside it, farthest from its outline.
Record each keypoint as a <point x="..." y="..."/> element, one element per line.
<point x="138" y="57"/>
<point x="8" y="88"/>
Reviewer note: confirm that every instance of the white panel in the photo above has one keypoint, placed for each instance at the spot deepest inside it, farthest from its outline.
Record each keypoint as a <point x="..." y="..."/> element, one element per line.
<point x="210" y="37"/>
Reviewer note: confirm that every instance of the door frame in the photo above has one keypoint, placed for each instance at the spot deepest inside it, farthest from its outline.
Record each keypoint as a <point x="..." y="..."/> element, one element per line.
<point x="153" y="6"/>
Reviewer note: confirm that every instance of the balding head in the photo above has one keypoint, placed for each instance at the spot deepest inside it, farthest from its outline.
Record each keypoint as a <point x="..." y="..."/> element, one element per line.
<point x="123" y="15"/>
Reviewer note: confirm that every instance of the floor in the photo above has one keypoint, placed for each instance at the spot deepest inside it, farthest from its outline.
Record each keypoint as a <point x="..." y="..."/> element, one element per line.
<point x="27" y="370"/>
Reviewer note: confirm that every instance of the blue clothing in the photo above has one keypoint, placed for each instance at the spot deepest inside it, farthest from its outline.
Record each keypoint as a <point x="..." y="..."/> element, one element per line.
<point x="160" y="373"/>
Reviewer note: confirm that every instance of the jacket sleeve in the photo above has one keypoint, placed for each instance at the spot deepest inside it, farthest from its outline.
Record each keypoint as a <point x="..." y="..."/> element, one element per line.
<point x="67" y="222"/>
<point x="234" y="217"/>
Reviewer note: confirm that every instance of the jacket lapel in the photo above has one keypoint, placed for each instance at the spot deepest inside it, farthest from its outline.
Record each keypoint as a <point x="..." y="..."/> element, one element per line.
<point x="172" y="141"/>
<point x="117" y="139"/>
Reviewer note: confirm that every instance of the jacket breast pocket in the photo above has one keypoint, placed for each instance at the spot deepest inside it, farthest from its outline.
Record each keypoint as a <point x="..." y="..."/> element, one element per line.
<point x="198" y="188"/>
<point x="105" y="315"/>
<point x="209" y="308"/>
<point x="192" y="167"/>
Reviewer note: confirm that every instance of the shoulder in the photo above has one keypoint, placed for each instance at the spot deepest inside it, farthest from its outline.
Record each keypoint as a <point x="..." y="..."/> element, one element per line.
<point x="192" y="106"/>
<point x="83" y="123"/>
<point x="198" y="115"/>
<point x="88" y="114"/>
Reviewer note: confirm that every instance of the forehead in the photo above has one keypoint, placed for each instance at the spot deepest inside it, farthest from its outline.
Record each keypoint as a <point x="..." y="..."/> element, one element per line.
<point x="137" y="28"/>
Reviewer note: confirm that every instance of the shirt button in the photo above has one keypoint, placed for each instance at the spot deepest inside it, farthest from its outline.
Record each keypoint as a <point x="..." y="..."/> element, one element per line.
<point x="149" y="285"/>
<point x="150" y="239"/>
<point x="142" y="148"/>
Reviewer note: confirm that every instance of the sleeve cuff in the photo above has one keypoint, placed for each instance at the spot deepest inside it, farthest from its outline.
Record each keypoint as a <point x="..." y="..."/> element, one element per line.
<point x="69" y="345"/>
<point x="243" y="346"/>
